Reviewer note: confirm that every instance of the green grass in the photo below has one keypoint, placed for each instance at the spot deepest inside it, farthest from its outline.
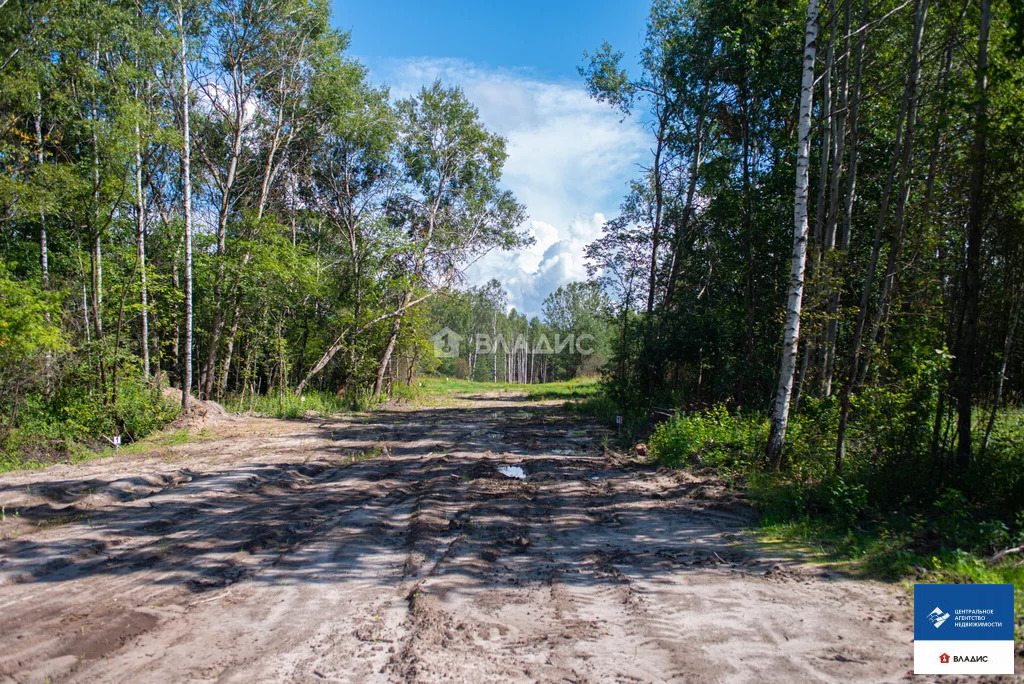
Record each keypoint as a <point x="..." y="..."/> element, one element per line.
<point x="273" y="405"/>
<point x="890" y="551"/>
<point x="866" y="522"/>
<point x="159" y="440"/>
<point x="430" y="389"/>
<point x="80" y="453"/>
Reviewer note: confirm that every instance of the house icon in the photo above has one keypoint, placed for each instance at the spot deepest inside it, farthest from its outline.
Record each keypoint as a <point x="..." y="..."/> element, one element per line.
<point x="446" y="343"/>
<point x="944" y="658"/>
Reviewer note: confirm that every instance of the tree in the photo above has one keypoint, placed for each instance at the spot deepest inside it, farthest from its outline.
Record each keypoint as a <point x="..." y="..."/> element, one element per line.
<point x="966" y="351"/>
<point x="455" y="210"/>
<point x="791" y="339"/>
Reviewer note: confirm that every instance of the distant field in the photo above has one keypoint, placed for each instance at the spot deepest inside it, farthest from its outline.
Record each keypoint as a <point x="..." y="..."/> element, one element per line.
<point x="440" y="386"/>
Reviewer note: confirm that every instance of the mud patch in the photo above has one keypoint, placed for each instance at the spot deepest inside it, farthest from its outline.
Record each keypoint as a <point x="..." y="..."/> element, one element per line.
<point x="98" y="638"/>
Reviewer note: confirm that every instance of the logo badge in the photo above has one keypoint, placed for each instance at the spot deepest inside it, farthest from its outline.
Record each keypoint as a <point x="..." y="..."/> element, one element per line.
<point x="937" y="617"/>
<point x="963" y="629"/>
<point x="446" y="343"/>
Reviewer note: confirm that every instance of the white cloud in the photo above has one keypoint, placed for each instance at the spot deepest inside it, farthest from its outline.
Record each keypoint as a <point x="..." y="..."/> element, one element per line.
<point x="569" y="160"/>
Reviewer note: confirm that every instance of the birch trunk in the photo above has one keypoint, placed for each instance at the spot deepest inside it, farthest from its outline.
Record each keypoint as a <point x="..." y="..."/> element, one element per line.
<point x="43" y="250"/>
<point x="186" y="182"/>
<point x="140" y="248"/>
<point x="791" y="337"/>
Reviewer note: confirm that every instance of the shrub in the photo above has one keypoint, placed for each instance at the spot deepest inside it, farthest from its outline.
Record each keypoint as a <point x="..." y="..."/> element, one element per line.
<point x="714" y="438"/>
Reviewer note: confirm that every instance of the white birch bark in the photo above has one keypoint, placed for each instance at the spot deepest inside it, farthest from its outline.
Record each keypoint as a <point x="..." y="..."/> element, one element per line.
<point x="186" y="180"/>
<point x="791" y="335"/>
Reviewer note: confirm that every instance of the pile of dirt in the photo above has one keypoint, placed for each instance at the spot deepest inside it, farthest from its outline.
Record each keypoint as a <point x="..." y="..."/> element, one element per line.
<point x="200" y="414"/>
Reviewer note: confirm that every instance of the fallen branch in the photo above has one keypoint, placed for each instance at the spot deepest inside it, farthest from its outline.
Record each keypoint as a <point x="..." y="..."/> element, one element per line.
<point x="340" y="341"/>
<point x="995" y="558"/>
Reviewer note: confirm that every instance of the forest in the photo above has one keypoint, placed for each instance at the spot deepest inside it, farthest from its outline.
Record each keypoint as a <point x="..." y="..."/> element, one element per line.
<point x="821" y="270"/>
<point x="294" y="388"/>
<point x="815" y="281"/>
<point x="213" y="196"/>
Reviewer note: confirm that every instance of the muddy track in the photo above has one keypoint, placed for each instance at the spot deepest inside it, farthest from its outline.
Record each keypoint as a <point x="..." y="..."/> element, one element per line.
<point x="389" y="547"/>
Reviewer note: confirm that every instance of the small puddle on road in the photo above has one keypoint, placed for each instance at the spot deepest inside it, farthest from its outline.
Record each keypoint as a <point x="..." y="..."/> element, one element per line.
<point x="512" y="471"/>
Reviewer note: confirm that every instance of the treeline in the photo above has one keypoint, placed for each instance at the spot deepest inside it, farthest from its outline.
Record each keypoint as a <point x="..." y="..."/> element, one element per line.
<point x="894" y="298"/>
<point x="210" y="193"/>
<point x="493" y="343"/>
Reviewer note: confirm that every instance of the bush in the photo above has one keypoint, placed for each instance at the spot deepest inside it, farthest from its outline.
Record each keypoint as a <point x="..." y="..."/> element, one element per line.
<point x="76" y="416"/>
<point x="713" y="438"/>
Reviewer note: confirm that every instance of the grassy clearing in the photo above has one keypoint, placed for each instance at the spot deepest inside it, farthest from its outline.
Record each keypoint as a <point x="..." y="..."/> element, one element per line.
<point x="437" y="390"/>
<point x="157" y="442"/>
<point x="275" y="405"/>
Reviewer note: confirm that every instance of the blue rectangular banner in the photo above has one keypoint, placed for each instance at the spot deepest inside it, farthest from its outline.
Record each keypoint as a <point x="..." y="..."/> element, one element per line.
<point x="963" y="628"/>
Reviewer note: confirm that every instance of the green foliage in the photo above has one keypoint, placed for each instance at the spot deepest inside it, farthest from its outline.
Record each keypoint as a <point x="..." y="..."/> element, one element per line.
<point x="576" y="313"/>
<point x="29" y="337"/>
<point x="289" y="405"/>
<point x="49" y="432"/>
<point x="713" y="438"/>
<point x="883" y="514"/>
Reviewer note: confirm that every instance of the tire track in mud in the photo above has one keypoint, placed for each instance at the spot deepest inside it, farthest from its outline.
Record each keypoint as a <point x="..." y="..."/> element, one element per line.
<point x="291" y="560"/>
<point x="155" y="566"/>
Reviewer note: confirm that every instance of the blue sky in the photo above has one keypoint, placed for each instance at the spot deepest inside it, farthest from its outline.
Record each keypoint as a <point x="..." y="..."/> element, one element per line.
<point x="547" y="38"/>
<point x="569" y="157"/>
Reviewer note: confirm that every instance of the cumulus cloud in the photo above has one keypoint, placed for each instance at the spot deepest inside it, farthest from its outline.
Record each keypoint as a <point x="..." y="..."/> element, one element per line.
<point x="569" y="159"/>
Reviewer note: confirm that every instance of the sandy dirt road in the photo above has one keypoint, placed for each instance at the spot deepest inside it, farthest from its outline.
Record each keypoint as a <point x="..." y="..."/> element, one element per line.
<point x="389" y="547"/>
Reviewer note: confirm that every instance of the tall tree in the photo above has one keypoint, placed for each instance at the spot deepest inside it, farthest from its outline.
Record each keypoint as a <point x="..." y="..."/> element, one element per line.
<point x="966" y="352"/>
<point x="791" y="335"/>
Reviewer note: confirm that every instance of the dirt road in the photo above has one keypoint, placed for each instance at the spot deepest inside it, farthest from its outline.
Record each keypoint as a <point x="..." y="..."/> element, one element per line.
<point x="389" y="547"/>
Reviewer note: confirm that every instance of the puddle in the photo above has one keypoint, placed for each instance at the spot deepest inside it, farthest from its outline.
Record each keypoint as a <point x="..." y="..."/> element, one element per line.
<point x="512" y="471"/>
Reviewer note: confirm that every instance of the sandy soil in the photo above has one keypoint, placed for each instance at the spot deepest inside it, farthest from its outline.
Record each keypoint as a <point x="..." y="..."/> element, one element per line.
<point x="389" y="547"/>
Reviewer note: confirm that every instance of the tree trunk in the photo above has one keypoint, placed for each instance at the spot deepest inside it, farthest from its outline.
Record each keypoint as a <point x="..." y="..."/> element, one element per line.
<point x="849" y="193"/>
<point x="684" y="224"/>
<point x="903" y="196"/>
<point x="96" y="254"/>
<point x="966" y="352"/>
<point x="658" y="201"/>
<point x="186" y="182"/>
<point x="1001" y="380"/>
<point x="832" y="270"/>
<point x="876" y="246"/>
<point x="44" y="264"/>
<point x="385" y="358"/>
<point x="791" y="336"/>
<point x="140" y="249"/>
<point x="229" y="352"/>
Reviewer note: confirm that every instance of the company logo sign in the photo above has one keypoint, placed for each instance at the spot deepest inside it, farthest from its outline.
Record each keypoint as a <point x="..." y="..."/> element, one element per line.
<point x="963" y="629"/>
<point x="937" y="617"/>
<point x="446" y="343"/>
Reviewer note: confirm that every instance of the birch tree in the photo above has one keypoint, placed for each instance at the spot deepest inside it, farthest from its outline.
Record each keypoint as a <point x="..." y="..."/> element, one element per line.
<point x="791" y="333"/>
